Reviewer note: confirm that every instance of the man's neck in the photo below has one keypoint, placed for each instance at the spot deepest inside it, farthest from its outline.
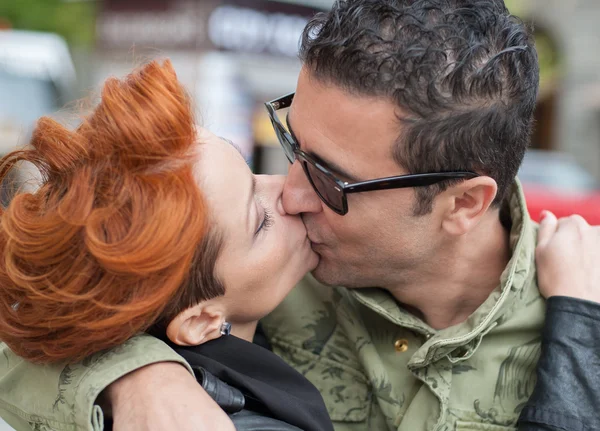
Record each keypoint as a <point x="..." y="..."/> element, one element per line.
<point x="458" y="282"/>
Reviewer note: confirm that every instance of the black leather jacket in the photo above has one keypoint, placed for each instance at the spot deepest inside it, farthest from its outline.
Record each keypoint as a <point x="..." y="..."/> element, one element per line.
<point x="567" y="394"/>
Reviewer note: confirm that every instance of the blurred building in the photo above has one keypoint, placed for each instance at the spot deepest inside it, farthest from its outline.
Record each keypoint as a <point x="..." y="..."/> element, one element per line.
<point x="569" y="109"/>
<point x="36" y="78"/>
<point x="574" y="24"/>
<point x="232" y="55"/>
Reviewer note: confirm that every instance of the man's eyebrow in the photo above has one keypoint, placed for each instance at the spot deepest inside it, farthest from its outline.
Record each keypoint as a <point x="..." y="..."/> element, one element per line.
<point x="334" y="168"/>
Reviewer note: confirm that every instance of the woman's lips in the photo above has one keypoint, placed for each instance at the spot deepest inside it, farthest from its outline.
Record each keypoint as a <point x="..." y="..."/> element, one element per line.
<point x="312" y="240"/>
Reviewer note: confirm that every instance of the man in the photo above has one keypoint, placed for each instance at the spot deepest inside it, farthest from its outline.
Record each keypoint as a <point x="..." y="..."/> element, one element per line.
<point x="451" y="336"/>
<point x="438" y="324"/>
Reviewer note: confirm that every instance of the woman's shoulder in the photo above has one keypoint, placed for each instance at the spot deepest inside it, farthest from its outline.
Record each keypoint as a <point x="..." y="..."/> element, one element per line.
<point x="233" y="402"/>
<point x="253" y="383"/>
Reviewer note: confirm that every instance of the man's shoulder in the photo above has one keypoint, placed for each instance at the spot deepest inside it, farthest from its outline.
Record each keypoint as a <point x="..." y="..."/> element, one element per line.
<point x="307" y="324"/>
<point x="306" y="332"/>
<point x="307" y="310"/>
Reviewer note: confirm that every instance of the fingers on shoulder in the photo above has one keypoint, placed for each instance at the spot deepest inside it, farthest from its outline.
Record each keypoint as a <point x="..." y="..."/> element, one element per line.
<point x="573" y="221"/>
<point x="548" y="226"/>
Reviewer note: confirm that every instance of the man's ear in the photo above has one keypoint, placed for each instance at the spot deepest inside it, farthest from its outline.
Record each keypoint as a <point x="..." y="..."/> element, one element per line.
<point x="467" y="202"/>
<point x="196" y="325"/>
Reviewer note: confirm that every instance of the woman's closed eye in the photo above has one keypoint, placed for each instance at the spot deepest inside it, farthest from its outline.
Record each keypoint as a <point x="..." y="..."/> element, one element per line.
<point x="267" y="220"/>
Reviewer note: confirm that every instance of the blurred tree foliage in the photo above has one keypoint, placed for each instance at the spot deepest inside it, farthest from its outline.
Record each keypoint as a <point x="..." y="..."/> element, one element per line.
<point x="73" y="20"/>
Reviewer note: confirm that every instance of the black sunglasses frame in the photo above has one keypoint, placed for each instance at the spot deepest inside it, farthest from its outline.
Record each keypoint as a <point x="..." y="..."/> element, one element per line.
<point x="341" y="187"/>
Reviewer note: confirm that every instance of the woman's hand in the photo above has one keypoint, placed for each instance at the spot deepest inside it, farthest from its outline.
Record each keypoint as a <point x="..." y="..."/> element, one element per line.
<point x="163" y="396"/>
<point x="568" y="258"/>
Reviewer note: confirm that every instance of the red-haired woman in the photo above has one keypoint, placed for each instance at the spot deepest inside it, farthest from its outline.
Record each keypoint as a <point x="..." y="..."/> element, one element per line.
<point x="145" y="222"/>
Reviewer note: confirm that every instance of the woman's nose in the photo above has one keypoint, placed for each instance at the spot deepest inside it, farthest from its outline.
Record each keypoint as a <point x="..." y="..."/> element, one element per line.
<point x="273" y="186"/>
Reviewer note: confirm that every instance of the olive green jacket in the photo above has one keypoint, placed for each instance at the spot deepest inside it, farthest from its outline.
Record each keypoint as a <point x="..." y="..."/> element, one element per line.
<point x="377" y="366"/>
<point x="381" y="368"/>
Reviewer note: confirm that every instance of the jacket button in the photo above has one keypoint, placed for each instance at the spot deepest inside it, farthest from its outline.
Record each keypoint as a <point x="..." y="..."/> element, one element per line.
<point x="401" y="345"/>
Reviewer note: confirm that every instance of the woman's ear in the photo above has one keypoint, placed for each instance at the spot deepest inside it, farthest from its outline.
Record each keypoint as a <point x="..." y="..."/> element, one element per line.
<point x="195" y="325"/>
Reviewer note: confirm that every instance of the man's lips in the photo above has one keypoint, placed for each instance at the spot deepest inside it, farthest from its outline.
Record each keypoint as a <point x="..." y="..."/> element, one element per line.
<point x="316" y="246"/>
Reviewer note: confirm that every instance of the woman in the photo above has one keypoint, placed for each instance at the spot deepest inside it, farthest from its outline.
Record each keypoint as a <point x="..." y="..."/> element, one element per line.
<point x="145" y="222"/>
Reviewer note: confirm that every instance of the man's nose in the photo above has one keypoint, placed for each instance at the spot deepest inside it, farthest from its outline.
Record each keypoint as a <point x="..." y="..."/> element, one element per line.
<point x="298" y="194"/>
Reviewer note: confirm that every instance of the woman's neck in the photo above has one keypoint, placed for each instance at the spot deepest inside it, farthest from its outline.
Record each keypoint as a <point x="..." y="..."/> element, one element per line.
<point x="245" y="331"/>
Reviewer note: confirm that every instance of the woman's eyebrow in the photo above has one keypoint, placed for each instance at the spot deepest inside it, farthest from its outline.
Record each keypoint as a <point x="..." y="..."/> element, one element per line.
<point x="234" y="145"/>
<point x="252" y="187"/>
<point x="249" y="205"/>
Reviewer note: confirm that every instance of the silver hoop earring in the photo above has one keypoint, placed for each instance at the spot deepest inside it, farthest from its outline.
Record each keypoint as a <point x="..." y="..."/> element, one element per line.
<point x="225" y="328"/>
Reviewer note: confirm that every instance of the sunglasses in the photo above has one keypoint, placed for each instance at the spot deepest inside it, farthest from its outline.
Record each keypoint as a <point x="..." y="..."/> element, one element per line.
<point x="330" y="189"/>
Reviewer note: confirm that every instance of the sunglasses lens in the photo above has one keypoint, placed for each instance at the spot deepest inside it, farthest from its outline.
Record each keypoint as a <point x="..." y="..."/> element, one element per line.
<point x="327" y="189"/>
<point x="284" y="141"/>
<point x="287" y="146"/>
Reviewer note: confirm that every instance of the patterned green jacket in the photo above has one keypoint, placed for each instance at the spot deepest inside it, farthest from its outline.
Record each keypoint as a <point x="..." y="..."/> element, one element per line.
<point x="378" y="367"/>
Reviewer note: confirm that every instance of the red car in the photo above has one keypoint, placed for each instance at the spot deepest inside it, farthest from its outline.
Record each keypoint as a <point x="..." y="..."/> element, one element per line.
<point x="555" y="182"/>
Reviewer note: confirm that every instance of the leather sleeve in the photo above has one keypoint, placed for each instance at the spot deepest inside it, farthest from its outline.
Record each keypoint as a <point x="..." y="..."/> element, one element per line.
<point x="567" y="393"/>
<point x="247" y="420"/>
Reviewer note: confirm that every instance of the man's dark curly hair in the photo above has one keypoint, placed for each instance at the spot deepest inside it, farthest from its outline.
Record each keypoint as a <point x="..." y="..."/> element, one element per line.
<point x="464" y="74"/>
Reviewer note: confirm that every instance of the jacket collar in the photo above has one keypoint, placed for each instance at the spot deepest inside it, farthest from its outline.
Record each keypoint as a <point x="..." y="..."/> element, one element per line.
<point x="465" y="337"/>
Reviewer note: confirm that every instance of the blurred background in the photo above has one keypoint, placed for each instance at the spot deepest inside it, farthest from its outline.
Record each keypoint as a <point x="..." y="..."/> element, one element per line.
<point x="233" y="55"/>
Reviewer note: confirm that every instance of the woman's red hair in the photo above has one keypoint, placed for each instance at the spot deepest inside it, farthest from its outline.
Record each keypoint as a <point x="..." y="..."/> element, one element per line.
<point x="97" y="252"/>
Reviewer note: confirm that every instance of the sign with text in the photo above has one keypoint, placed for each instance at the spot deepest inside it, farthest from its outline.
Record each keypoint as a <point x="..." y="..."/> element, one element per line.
<point x="249" y="26"/>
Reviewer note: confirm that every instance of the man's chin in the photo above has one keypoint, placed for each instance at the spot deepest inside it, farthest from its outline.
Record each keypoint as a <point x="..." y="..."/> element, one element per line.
<point x="325" y="273"/>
